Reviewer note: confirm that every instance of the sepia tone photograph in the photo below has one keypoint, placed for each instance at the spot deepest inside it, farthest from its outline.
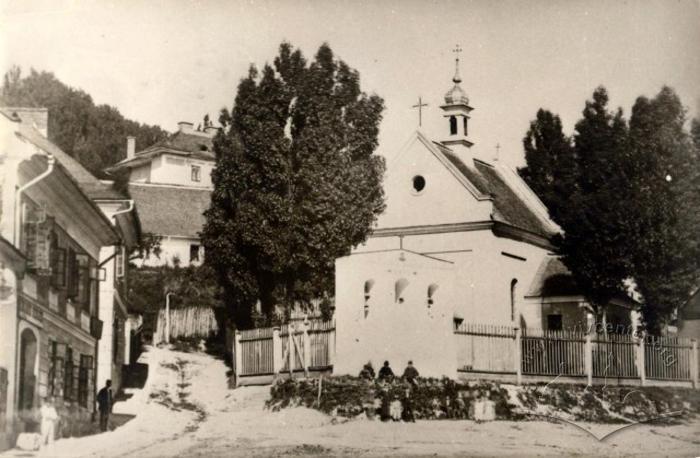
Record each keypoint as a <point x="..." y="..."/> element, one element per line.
<point x="349" y="228"/>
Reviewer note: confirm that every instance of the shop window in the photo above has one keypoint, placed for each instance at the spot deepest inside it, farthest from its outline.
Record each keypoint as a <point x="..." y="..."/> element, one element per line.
<point x="119" y="261"/>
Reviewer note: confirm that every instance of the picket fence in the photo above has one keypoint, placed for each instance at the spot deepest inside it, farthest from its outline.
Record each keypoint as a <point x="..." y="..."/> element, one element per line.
<point x="302" y="346"/>
<point x="483" y="348"/>
<point x="186" y="322"/>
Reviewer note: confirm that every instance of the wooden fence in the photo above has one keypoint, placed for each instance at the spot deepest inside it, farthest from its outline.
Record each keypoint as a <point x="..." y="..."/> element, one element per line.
<point x="303" y="347"/>
<point x="186" y="322"/>
<point x="534" y="352"/>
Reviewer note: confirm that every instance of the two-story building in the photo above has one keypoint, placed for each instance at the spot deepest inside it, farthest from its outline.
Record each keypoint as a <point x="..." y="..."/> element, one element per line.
<point x="171" y="185"/>
<point x="55" y="253"/>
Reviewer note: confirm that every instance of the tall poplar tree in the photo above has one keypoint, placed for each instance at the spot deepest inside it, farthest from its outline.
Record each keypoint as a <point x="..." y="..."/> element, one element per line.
<point x="551" y="164"/>
<point x="297" y="183"/>
<point x="665" y="239"/>
<point x="594" y="246"/>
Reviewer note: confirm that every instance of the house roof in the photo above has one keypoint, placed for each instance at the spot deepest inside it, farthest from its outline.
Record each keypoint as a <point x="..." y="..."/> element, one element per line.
<point x="88" y="183"/>
<point x="174" y="211"/>
<point x="509" y="208"/>
<point x="196" y="145"/>
<point x="553" y="278"/>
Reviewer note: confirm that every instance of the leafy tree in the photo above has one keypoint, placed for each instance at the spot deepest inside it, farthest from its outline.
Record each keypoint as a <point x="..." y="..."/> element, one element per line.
<point x="666" y="178"/>
<point x="593" y="246"/>
<point x="551" y="164"/>
<point x="296" y="183"/>
<point x="93" y="134"/>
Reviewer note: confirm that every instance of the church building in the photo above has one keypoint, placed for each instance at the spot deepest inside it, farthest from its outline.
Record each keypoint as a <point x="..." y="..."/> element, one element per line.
<point x="462" y="240"/>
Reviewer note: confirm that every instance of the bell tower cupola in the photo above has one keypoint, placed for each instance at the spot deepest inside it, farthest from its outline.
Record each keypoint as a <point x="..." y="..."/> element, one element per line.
<point x="456" y="110"/>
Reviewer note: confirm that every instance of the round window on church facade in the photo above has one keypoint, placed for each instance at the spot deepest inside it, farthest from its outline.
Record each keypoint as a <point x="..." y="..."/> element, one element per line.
<point x="418" y="183"/>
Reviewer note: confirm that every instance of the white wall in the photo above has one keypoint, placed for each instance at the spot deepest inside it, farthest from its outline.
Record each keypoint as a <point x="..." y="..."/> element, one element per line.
<point x="172" y="247"/>
<point x="395" y="331"/>
<point x="177" y="170"/>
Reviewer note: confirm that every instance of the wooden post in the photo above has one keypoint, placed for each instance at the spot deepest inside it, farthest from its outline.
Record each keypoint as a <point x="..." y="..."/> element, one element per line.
<point x="290" y="346"/>
<point x="589" y="359"/>
<point x="307" y="348"/>
<point x="276" y="351"/>
<point x="331" y="346"/>
<point x="518" y="357"/>
<point x="694" y="364"/>
<point x="641" y="368"/>
<point x="237" y="357"/>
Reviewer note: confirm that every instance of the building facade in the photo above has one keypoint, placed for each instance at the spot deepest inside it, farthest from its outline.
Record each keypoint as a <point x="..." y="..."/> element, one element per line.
<point x="462" y="240"/>
<point x="52" y="233"/>
<point x="171" y="185"/>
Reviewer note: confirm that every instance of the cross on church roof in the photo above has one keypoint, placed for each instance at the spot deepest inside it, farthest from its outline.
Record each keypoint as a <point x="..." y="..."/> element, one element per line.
<point x="457" y="79"/>
<point x="420" y="106"/>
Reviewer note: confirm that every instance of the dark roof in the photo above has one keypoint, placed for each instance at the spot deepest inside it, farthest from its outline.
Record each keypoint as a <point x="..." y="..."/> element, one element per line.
<point x="195" y="145"/>
<point x="553" y="278"/>
<point x="508" y="207"/>
<point x="166" y="210"/>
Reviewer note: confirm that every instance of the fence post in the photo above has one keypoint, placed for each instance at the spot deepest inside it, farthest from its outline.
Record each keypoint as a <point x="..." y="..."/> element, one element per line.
<point x="307" y="348"/>
<point x="277" y="362"/>
<point x="331" y="346"/>
<point x="291" y="348"/>
<point x="518" y="357"/>
<point x="237" y="357"/>
<point x="641" y="368"/>
<point x="694" y="364"/>
<point x="589" y="359"/>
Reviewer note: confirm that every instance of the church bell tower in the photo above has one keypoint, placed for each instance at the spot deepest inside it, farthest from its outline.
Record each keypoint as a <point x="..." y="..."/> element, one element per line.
<point x="456" y="110"/>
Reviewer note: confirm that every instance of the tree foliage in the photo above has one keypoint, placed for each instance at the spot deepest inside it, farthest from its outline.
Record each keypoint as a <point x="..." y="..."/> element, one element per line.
<point x="296" y="183"/>
<point x="95" y="135"/>
<point x="551" y="164"/>
<point x="627" y="198"/>
<point x="665" y="251"/>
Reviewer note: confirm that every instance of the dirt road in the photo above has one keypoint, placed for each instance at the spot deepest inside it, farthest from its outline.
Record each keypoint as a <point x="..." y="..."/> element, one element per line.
<point x="186" y="410"/>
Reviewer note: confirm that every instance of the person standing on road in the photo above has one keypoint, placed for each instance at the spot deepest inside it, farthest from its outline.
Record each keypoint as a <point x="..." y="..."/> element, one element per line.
<point x="104" y="402"/>
<point x="49" y="417"/>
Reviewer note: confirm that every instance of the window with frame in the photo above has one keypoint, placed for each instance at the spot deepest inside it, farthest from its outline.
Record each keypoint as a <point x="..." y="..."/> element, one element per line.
<point x="73" y="273"/>
<point x="68" y="385"/>
<point x="194" y="253"/>
<point x="84" y="376"/>
<point x="116" y="327"/>
<point x="53" y="366"/>
<point x="196" y="173"/>
<point x="83" y="272"/>
<point x="58" y="267"/>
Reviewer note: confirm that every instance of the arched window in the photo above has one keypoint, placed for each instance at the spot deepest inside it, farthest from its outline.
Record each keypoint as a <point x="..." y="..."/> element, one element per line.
<point x="368" y="287"/>
<point x="513" y="285"/>
<point x="466" y="131"/>
<point x="453" y="125"/>
<point x="399" y="288"/>
<point x="431" y="293"/>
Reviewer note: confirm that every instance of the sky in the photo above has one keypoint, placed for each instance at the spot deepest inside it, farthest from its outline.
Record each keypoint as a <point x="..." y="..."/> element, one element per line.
<point x="164" y="61"/>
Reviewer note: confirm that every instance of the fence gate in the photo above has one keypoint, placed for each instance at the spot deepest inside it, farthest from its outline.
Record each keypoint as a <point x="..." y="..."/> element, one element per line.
<point x="296" y="347"/>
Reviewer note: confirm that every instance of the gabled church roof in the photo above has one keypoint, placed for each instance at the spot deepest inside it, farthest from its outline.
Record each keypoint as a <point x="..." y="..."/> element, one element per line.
<point x="489" y="182"/>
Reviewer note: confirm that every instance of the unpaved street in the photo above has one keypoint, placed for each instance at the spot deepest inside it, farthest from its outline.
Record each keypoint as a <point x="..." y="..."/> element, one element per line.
<point x="186" y="410"/>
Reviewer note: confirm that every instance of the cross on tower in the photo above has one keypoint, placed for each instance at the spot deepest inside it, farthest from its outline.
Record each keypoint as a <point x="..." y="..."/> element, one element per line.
<point x="420" y="106"/>
<point x="457" y="79"/>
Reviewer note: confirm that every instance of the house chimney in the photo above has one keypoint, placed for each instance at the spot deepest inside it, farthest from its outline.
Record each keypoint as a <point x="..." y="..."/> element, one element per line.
<point x="130" y="147"/>
<point x="185" y="127"/>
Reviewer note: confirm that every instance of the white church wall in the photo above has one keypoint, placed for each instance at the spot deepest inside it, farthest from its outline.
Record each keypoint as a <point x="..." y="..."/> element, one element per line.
<point x="395" y="330"/>
<point x="443" y="200"/>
